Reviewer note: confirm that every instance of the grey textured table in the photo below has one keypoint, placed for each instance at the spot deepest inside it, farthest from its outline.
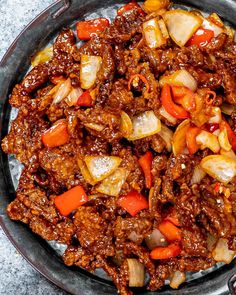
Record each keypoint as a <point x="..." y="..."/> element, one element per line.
<point x="16" y="275"/>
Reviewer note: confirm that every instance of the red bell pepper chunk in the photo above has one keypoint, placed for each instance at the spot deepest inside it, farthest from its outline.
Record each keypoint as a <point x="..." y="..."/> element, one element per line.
<point x="231" y="134"/>
<point x="85" y="99"/>
<point x="130" y="6"/>
<point x="146" y="164"/>
<point x="211" y="127"/>
<point x="133" y="202"/>
<point x="86" y="29"/>
<point x="170" y="251"/>
<point x="173" y="109"/>
<point x="71" y="200"/>
<point x="184" y="96"/>
<point x="172" y="217"/>
<point x="57" y="135"/>
<point x="201" y="38"/>
<point x="170" y="231"/>
<point x="191" y="139"/>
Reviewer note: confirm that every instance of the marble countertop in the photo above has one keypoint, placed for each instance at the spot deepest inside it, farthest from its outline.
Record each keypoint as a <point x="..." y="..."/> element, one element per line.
<point x="16" y="275"/>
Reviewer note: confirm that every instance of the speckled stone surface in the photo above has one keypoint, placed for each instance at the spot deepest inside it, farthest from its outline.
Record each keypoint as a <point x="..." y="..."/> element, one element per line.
<point x="16" y="275"/>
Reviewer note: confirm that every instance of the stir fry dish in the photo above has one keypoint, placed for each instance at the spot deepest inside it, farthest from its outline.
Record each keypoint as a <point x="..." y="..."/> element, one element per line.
<point x="128" y="144"/>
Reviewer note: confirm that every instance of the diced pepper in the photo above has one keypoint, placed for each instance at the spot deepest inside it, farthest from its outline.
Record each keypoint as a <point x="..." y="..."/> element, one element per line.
<point x="146" y="164"/>
<point x="231" y="134"/>
<point x="173" y="109"/>
<point x="191" y="139"/>
<point x="172" y="217"/>
<point x="56" y="79"/>
<point x="141" y="77"/>
<point x="133" y="202"/>
<point x="211" y="127"/>
<point x="71" y="200"/>
<point x="210" y="97"/>
<point x="184" y="96"/>
<point x="170" y="251"/>
<point x="201" y="38"/>
<point x="85" y="99"/>
<point x="130" y="6"/>
<point x="170" y="231"/>
<point x="86" y="29"/>
<point x="57" y="135"/>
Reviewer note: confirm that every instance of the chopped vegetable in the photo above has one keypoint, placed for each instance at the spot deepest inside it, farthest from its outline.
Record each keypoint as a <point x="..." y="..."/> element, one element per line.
<point x="181" y="25"/>
<point x="221" y="253"/>
<point x="153" y="34"/>
<point x="87" y="29"/>
<point x="170" y="251"/>
<point x="223" y="139"/>
<point x="85" y="99"/>
<point x="229" y="154"/>
<point x="94" y="126"/>
<point x="208" y="140"/>
<point x="57" y="135"/>
<point x="185" y="97"/>
<point x="209" y="25"/>
<point x="177" y="279"/>
<point x="101" y="167"/>
<point x="72" y="98"/>
<point x="231" y="134"/>
<point x="134" y="79"/>
<point x="42" y="56"/>
<point x="214" y="17"/>
<point x="167" y="135"/>
<point x="167" y="116"/>
<point x="133" y="202"/>
<point x="201" y="38"/>
<point x="71" y="200"/>
<point x="136" y="273"/>
<point x="156" y="239"/>
<point x="180" y="78"/>
<point x="126" y="125"/>
<point x="191" y="142"/>
<point x="85" y="172"/>
<point x="130" y="6"/>
<point x="219" y="167"/>
<point x="112" y="185"/>
<point x="163" y="29"/>
<point x="146" y="164"/>
<point x="172" y="108"/>
<point x="90" y="65"/>
<point x="172" y="217"/>
<point x="200" y="115"/>
<point x="155" y="5"/>
<point x="179" y="138"/>
<point x="57" y="79"/>
<point x="212" y="127"/>
<point x="198" y="175"/>
<point x="227" y="108"/>
<point x="63" y="90"/>
<point x="170" y="231"/>
<point x="145" y="124"/>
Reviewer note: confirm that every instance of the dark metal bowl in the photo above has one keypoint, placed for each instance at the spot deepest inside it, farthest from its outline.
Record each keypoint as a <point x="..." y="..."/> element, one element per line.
<point x="37" y="252"/>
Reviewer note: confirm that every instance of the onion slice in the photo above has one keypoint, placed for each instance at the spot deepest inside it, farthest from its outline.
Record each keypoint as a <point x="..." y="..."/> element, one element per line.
<point x="94" y="126"/>
<point x="224" y="140"/>
<point x="145" y="124"/>
<point x="126" y="125"/>
<point x="101" y="167"/>
<point x="136" y="273"/>
<point x="209" y="25"/>
<point x="85" y="173"/>
<point x="153" y="34"/>
<point x="167" y="135"/>
<point x="112" y="185"/>
<point x="179" y="138"/>
<point x="177" y="279"/>
<point x="208" y="140"/>
<point x="63" y="89"/>
<point x="42" y="56"/>
<point x="198" y="175"/>
<point x="90" y="65"/>
<point x="221" y="253"/>
<point x="230" y="154"/>
<point x="181" y="25"/>
<point x="73" y="96"/>
<point x="227" y="108"/>
<point x="167" y="116"/>
<point x="220" y="167"/>
<point x="180" y="78"/>
<point x="216" y="115"/>
<point x="156" y="239"/>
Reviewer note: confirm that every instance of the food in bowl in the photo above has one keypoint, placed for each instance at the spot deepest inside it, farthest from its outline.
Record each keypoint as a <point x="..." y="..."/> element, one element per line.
<point x="128" y="144"/>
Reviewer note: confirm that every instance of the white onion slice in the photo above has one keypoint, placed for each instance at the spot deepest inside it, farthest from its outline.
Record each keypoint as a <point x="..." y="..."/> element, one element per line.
<point x="42" y="56"/>
<point x="101" y="167"/>
<point x="136" y="273"/>
<point x="179" y="138"/>
<point x="181" y="25"/>
<point x="230" y="154"/>
<point x="94" y="126"/>
<point x="126" y="125"/>
<point x="153" y="34"/>
<point x="208" y="140"/>
<point x="112" y="185"/>
<point x="221" y="253"/>
<point x="180" y="78"/>
<point x="90" y="65"/>
<point x="63" y="90"/>
<point x="211" y="26"/>
<point x="73" y="96"/>
<point x="177" y="279"/>
<point x="167" y="116"/>
<point x="145" y="124"/>
<point x="167" y="135"/>
<point x="85" y="173"/>
<point x="224" y="140"/>
<point x="156" y="239"/>
<point x="198" y="175"/>
<point x="220" y="167"/>
<point x="216" y="115"/>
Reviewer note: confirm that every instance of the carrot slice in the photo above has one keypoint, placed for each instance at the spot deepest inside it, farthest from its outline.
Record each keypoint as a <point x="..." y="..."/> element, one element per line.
<point x="71" y="200"/>
<point x="170" y="251"/>
<point x="85" y="99"/>
<point x="86" y="29"/>
<point x="170" y="231"/>
<point x="146" y="164"/>
<point x="57" y="135"/>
